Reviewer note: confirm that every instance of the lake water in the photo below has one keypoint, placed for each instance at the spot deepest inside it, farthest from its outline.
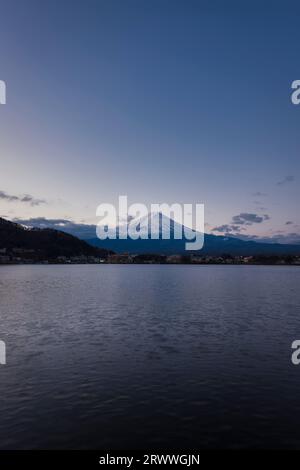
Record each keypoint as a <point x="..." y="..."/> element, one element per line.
<point x="138" y="356"/>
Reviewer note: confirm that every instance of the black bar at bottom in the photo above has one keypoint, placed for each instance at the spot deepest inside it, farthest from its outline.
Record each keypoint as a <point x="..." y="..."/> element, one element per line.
<point x="139" y="459"/>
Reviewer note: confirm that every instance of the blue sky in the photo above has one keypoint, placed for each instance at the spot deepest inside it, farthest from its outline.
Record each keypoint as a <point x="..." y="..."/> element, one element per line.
<point x="164" y="101"/>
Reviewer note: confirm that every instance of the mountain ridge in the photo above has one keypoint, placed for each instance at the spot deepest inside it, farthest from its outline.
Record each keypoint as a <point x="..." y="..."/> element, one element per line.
<point x="215" y="245"/>
<point x="44" y="243"/>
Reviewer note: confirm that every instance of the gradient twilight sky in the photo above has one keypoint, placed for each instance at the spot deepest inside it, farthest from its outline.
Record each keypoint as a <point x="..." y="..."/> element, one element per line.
<point x="165" y="101"/>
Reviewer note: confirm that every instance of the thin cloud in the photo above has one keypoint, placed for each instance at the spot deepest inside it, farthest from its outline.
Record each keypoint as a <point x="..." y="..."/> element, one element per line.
<point x="83" y="231"/>
<point x="246" y="218"/>
<point x="26" y="198"/>
<point x="286" y="180"/>
<point x="239" y="223"/>
<point x="259" y="194"/>
<point x="227" y="228"/>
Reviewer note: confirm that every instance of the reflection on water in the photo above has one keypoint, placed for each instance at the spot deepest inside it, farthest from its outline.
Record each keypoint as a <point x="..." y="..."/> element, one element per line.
<point x="149" y="356"/>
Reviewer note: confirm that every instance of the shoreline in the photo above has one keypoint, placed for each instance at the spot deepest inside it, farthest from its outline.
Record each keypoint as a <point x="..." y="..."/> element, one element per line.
<point x="148" y="264"/>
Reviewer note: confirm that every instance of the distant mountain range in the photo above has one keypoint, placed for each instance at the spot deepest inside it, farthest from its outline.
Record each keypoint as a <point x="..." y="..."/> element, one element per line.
<point x="69" y="242"/>
<point x="213" y="244"/>
<point x="44" y="243"/>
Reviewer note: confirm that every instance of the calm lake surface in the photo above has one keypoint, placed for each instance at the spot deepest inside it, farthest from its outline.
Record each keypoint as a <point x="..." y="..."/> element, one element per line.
<point x="121" y="356"/>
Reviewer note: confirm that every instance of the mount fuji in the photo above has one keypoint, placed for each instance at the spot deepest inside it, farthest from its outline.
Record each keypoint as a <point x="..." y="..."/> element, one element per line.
<point x="156" y="228"/>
